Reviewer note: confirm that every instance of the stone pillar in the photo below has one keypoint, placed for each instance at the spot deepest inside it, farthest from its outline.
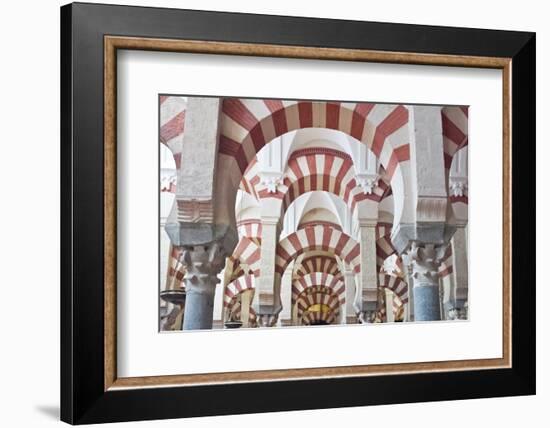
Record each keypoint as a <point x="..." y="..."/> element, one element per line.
<point x="295" y="320"/>
<point x="423" y="261"/>
<point x="286" y="295"/>
<point x="409" y="312"/>
<point x="460" y="271"/>
<point x="349" y="316"/>
<point x="267" y="295"/>
<point x="388" y="300"/>
<point x="366" y="296"/>
<point x="203" y="264"/>
<point x="202" y="223"/>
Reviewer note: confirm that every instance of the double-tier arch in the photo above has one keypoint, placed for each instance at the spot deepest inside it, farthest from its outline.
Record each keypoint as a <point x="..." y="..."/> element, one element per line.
<point x="326" y="170"/>
<point x="335" y="284"/>
<point x="318" y="299"/>
<point x="247" y="125"/>
<point x="320" y="237"/>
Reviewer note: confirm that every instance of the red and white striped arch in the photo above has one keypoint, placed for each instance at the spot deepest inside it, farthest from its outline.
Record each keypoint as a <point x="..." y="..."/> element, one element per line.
<point x="250" y="228"/>
<point x="251" y="179"/>
<point x="311" y="318"/>
<point x="237" y="270"/>
<point x="395" y="284"/>
<point x="321" y="238"/>
<point x="317" y="295"/>
<point x="322" y="169"/>
<point x="172" y="124"/>
<point x="384" y="246"/>
<point x="248" y="253"/>
<point x="455" y="137"/>
<point x="235" y="314"/>
<point x="314" y="279"/>
<point x="446" y="267"/>
<point x="398" y="309"/>
<point x="249" y="124"/>
<point x="381" y="315"/>
<point x="233" y="289"/>
<point x="455" y="131"/>
<point x="319" y="263"/>
<point x="176" y="270"/>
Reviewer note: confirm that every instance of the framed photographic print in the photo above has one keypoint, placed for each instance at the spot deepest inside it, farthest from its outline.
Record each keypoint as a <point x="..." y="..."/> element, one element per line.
<point x="258" y="207"/>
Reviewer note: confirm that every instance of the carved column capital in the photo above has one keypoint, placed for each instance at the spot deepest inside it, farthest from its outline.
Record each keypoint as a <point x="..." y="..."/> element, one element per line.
<point x="267" y="320"/>
<point x="367" y="182"/>
<point x="424" y="260"/>
<point x="366" y="316"/>
<point x="458" y="186"/>
<point x="457" y="314"/>
<point x="271" y="180"/>
<point x="203" y="263"/>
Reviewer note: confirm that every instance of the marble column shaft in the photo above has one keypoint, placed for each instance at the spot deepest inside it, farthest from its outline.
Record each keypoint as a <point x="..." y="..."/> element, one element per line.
<point x="460" y="270"/>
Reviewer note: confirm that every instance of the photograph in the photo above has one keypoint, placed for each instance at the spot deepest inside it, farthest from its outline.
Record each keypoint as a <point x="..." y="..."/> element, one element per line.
<point x="323" y="213"/>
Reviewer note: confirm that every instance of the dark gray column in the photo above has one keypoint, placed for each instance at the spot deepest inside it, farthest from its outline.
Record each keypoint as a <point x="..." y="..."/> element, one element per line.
<point x="199" y="308"/>
<point x="426" y="302"/>
<point x="203" y="264"/>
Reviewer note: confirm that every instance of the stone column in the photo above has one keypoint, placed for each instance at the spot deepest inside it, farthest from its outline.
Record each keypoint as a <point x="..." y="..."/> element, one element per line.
<point x="286" y="295"/>
<point x="202" y="223"/>
<point x="460" y="272"/>
<point x="203" y="264"/>
<point x="267" y="295"/>
<point x="295" y="314"/>
<point x="366" y="297"/>
<point x="423" y="261"/>
<point x="409" y="313"/>
<point x="349" y="315"/>
<point x="388" y="300"/>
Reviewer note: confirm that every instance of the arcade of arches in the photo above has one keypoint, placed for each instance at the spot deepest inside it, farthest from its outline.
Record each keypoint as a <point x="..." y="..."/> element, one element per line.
<point x="300" y="213"/>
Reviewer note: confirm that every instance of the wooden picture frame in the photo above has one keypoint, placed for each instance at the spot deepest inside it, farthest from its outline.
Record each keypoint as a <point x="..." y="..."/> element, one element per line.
<point x="90" y="389"/>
